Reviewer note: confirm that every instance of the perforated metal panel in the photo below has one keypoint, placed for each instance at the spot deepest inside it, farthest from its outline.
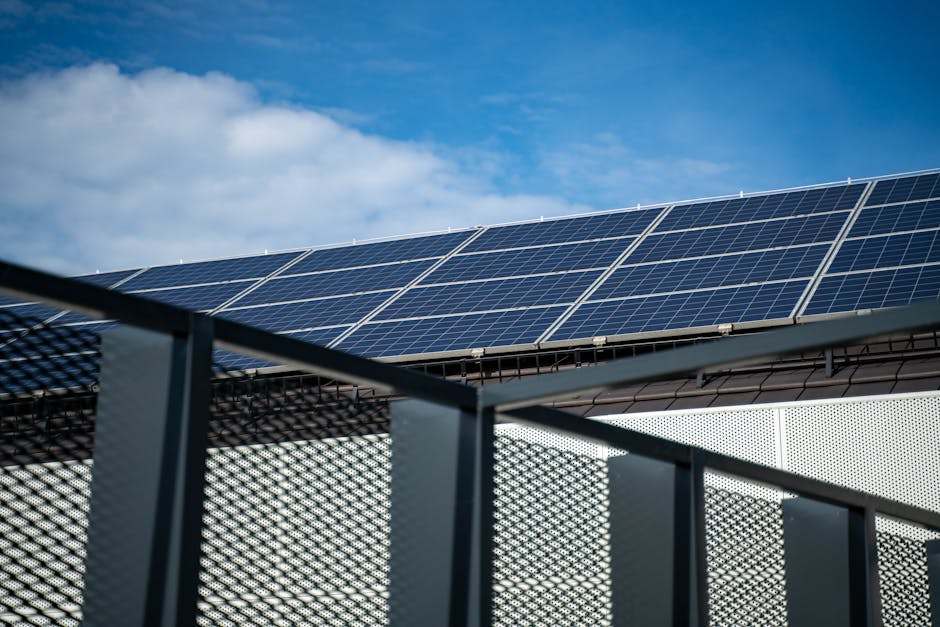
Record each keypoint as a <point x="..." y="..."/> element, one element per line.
<point x="903" y="577"/>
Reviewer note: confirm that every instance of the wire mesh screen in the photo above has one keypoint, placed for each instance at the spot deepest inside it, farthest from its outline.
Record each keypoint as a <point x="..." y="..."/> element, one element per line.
<point x="296" y="512"/>
<point x="903" y="573"/>
<point x="47" y="423"/>
<point x="744" y="548"/>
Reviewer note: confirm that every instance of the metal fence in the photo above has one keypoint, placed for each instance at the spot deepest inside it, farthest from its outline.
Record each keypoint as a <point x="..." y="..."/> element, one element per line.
<point x="157" y="472"/>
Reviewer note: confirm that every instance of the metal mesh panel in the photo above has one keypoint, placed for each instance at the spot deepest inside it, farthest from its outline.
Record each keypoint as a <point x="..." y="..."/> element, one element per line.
<point x="296" y="513"/>
<point x="745" y="554"/>
<point x="47" y="409"/>
<point x="903" y="574"/>
<point x="551" y="563"/>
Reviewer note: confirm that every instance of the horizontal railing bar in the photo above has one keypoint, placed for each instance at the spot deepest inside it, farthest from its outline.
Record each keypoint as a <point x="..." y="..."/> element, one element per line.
<point x="725" y="352"/>
<point x="96" y="301"/>
<point x="683" y="454"/>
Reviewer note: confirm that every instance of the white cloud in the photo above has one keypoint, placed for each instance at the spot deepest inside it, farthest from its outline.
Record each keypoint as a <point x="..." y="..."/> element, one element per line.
<point x="100" y="168"/>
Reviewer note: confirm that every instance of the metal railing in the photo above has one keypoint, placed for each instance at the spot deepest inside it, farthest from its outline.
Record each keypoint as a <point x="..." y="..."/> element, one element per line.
<point x="221" y="497"/>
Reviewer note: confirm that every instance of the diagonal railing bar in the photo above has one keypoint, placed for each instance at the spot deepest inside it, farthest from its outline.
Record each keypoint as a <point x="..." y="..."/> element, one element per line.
<point x="731" y="351"/>
<point x="158" y="316"/>
<point x="677" y="453"/>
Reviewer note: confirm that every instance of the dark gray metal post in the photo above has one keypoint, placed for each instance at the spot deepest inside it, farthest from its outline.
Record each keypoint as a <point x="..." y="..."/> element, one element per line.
<point x="817" y="545"/>
<point x="650" y="549"/>
<point x="147" y="478"/>
<point x="434" y="569"/>
<point x="933" y="575"/>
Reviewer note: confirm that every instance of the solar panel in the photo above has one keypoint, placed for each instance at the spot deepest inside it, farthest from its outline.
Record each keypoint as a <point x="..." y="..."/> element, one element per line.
<point x="199" y="297"/>
<point x="507" y="263"/>
<point x="906" y="217"/>
<point x="905" y="189"/>
<point x="887" y="251"/>
<point x="741" y="237"/>
<point x="684" y="310"/>
<point x="762" y="207"/>
<point x="566" y="230"/>
<point x="488" y="295"/>
<point x="32" y="311"/>
<point x="106" y="279"/>
<point x="254" y="267"/>
<point x="433" y="335"/>
<point x="308" y="314"/>
<point x="381" y="252"/>
<point x="238" y="361"/>
<point x="737" y="269"/>
<point x="873" y="290"/>
<point x="334" y="283"/>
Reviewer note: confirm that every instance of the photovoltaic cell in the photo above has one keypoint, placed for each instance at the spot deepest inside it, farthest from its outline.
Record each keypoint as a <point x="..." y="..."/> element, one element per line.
<point x="236" y="361"/>
<point x="887" y="251"/>
<point x="334" y="283"/>
<point x="209" y="271"/>
<point x="308" y="314"/>
<point x="431" y="335"/>
<point x="381" y="252"/>
<point x="485" y="295"/>
<point x="907" y="217"/>
<point x="529" y="261"/>
<point x="737" y="238"/>
<point x="873" y="290"/>
<point x="904" y="189"/>
<point x="566" y="230"/>
<point x="762" y="207"/>
<point x="678" y="311"/>
<point x="33" y="313"/>
<point x="199" y="297"/>
<point x="693" y="274"/>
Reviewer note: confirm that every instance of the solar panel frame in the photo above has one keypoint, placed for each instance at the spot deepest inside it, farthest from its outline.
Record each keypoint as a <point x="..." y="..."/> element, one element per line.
<point x="784" y="232"/>
<point x="439" y="335"/>
<point x="529" y="261"/>
<point x="885" y="251"/>
<point x="762" y="207"/>
<point x="334" y="283"/>
<point x="718" y="271"/>
<point x="565" y="230"/>
<point x="904" y="189"/>
<point x="683" y="310"/>
<point x="562" y="288"/>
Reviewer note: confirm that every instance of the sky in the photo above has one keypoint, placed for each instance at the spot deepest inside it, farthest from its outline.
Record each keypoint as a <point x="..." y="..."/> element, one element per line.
<point x="140" y="133"/>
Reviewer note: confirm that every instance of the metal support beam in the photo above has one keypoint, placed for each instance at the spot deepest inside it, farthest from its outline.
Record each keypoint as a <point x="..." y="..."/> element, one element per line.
<point x="832" y="568"/>
<point x="651" y="542"/>
<point x="437" y="539"/>
<point x="148" y="476"/>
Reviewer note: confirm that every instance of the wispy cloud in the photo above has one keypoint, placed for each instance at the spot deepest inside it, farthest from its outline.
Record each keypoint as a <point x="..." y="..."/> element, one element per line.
<point x="100" y="168"/>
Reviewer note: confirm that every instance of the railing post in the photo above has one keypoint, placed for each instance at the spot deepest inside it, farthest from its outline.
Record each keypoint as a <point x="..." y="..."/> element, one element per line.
<point x="651" y="542"/>
<point x="933" y="578"/>
<point x="439" y="515"/>
<point x="148" y="476"/>
<point x="831" y="561"/>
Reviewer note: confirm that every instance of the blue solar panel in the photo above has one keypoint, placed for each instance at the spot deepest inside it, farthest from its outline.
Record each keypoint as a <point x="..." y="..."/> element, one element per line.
<point x="678" y="311"/>
<point x="773" y="265"/>
<point x="432" y="335"/>
<point x="872" y="290"/>
<point x="887" y="251"/>
<point x="729" y="239"/>
<point x="209" y="271"/>
<point x="199" y="297"/>
<point x="530" y="261"/>
<point x="762" y="207"/>
<point x="381" y="252"/>
<point x="236" y="361"/>
<point x="567" y="230"/>
<point x="487" y="295"/>
<point x="908" y="217"/>
<point x="335" y="283"/>
<point x="106" y="279"/>
<point x="902" y="190"/>
<point x="55" y="372"/>
<point x="31" y="313"/>
<point x="308" y="314"/>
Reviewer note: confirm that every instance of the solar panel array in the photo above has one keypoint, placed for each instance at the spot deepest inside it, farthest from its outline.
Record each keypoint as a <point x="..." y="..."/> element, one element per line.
<point x="760" y="259"/>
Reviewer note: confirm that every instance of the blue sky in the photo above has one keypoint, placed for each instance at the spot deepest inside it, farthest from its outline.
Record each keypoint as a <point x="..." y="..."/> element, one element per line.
<point x="138" y="133"/>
